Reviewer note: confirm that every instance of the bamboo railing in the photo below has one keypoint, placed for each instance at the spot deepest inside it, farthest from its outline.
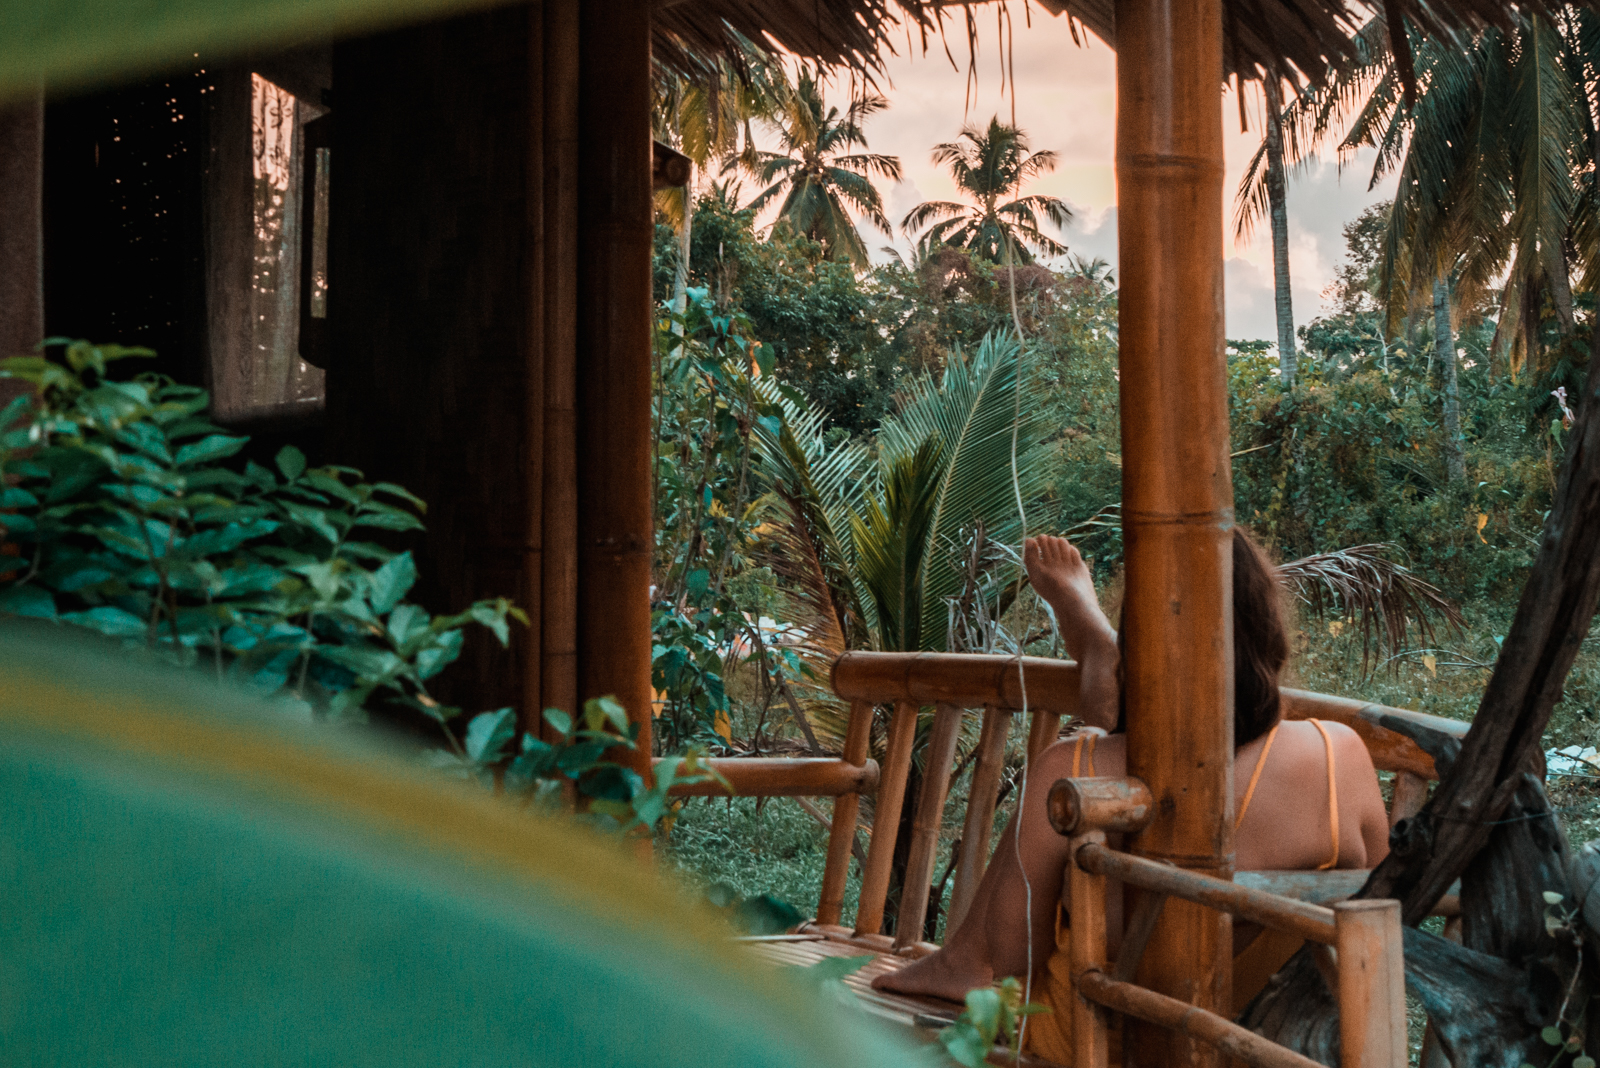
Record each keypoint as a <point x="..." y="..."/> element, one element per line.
<point x="954" y="685"/>
<point x="1369" y="979"/>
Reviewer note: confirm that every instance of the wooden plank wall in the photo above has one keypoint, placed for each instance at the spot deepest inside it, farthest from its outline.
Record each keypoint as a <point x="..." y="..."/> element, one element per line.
<point x="427" y="304"/>
<point x="21" y="233"/>
<point x="489" y="304"/>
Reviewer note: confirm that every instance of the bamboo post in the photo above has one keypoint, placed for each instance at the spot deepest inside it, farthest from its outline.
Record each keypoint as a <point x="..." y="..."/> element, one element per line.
<point x="836" y="872"/>
<point x="925" y="825"/>
<point x="1086" y="906"/>
<point x="558" y="605"/>
<point x="1176" y="488"/>
<point x="21" y="233"/>
<point x="886" y="820"/>
<point x="614" y="329"/>
<point x="532" y="597"/>
<point x="978" y="828"/>
<point x="1043" y="730"/>
<point x="1372" y="984"/>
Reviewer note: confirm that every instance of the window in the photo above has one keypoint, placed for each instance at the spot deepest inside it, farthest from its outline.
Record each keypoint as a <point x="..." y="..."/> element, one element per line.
<point x="268" y="283"/>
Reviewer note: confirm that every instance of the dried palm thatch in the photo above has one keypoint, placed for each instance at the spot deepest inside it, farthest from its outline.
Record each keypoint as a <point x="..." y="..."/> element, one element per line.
<point x="1383" y="597"/>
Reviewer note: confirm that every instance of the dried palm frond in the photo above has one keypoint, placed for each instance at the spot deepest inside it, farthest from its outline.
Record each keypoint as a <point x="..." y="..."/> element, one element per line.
<point x="1364" y="585"/>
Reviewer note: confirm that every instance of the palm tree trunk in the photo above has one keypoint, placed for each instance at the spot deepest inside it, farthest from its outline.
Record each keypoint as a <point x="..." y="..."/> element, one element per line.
<point x="680" y="276"/>
<point x="1444" y="345"/>
<point x="1277" y="198"/>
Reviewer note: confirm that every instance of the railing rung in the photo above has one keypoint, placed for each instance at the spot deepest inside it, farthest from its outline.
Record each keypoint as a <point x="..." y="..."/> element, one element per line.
<point x="978" y="829"/>
<point x="940" y="755"/>
<point x="1311" y="922"/>
<point x="784" y="777"/>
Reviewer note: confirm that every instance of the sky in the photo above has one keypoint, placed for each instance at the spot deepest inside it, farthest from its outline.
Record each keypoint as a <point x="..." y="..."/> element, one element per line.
<point x="1065" y="101"/>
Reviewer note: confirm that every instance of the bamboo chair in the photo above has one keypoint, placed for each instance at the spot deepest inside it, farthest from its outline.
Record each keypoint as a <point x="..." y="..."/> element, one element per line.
<point x="1292" y="906"/>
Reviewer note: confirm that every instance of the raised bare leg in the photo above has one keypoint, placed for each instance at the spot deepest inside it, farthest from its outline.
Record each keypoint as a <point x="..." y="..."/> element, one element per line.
<point x="1059" y="575"/>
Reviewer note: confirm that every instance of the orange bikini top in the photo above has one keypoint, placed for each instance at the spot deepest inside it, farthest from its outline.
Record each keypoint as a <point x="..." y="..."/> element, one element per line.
<point x="1333" y="788"/>
<point x="1091" y="736"/>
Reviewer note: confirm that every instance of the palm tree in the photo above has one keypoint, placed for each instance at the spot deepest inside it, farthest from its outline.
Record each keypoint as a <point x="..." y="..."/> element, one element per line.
<point x="1493" y="159"/>
<point x="708" y="119"/>
<point x="816" y="180"/>
<point x="991" y="166"/>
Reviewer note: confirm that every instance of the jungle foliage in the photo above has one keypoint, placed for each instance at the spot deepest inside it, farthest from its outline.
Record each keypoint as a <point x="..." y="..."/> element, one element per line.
<point x="125" y="511"/>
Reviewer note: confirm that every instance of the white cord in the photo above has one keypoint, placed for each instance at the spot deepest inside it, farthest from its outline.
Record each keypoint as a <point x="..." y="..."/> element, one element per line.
<point x="1022" y="679"/>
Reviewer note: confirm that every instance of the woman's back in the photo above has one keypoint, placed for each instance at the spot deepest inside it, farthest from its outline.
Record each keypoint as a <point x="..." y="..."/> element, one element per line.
<point x="1288" y="823"/>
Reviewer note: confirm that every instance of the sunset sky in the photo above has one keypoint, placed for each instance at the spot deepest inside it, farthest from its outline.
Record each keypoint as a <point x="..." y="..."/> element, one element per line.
<point x="1065" y="100"/>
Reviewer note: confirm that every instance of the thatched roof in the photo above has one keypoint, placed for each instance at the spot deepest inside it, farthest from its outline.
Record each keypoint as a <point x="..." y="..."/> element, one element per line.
<point x="1286" y="36"/>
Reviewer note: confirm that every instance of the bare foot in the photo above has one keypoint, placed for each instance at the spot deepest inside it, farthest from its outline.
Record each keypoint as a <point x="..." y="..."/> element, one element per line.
<point x="1059" y="575"/>
<point x="937" y="975"/>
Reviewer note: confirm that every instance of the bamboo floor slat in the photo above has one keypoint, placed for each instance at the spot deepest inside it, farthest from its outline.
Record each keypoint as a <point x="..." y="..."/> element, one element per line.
<point x="923" y="1015"/>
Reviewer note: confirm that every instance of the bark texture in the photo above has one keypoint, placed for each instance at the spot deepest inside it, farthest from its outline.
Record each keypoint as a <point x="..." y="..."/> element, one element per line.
<point x="1278" y="209"/>
<point x="1444" y="344"/>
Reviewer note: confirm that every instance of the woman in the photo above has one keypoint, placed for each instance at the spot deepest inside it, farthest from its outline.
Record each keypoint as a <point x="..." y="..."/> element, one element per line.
<point x="1291" y="779"/>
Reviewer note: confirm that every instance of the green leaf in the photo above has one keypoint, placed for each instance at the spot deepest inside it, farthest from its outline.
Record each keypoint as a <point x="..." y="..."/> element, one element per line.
<point x="559" y="720"/>
<point x="440" y="655"/>
<point x="31" y="601"/>
<point x="1585" y="1061"/>
<point x="209" y="449"/>
<point x="598" y="710"/>
<point x="489" y="733"/>
<point x="393" y="581"/>
<point x="315" y="518"/>
<point x="1551" y="1036"/>
<point x="16" y="497"/>
<point x="109" y="621"/>
<point x="1552" y="898"/>
<point x="291" y="462"/>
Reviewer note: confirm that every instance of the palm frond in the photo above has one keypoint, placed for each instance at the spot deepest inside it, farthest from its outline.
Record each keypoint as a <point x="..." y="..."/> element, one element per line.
<point x="1364" y="585"/>
<point x="973" y="411"/>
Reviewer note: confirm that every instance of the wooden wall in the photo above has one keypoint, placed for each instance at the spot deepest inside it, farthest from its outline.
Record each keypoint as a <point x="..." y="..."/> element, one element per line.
<point x="427" y="302"/>
<point x="21" y="234"/>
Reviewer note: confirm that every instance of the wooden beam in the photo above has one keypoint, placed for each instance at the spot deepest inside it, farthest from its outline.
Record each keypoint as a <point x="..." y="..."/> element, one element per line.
<point x="842" y="834"/>
<point x="1177" y="492"/>
<point x="886" y="820"/>
<point x="531" y="596"/>
<point x="558" y="605"/>
<point x="21" y="233"/>
<point x="966" y="680"/>
<point x="615" y="227"/>
<point x="1372" y="984"/>
<point x="784" y="777"/>
<point x="978" y="829"/>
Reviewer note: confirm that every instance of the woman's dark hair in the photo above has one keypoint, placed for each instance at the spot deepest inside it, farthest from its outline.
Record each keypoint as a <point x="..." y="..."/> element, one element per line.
<point x="1260" y="643"/>
<point x="1260" y="640"/>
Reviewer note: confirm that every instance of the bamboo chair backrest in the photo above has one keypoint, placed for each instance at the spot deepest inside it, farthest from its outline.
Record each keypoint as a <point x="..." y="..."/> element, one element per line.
<point x="1001" y="686"/>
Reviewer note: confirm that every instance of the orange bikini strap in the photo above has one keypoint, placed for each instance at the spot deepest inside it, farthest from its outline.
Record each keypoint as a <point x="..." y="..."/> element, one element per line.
<point x="1077" y="751"/>
<point x="1333" y="796"/>
<point x="1255" y="776"/>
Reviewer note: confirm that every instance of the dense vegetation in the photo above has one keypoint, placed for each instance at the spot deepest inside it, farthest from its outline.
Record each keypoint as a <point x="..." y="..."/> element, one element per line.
<point x="1351" y="453"/>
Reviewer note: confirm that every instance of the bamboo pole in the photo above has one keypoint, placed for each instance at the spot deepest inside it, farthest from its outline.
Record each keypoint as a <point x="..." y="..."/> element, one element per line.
<point x="1176" y="491"/>
<point x="21" y="233"/>
<point x="886" y="820"/>
<point x="558" y="605"/>
<point x="1372" y="984"/>
<point x="1086" y="942"/>
<point x="941" y="754"/>
<point x="836" y="872"/>
<point x="783" y="777"/>
<point x="966" y="680"/>
<point x="978" y="829"/>
<point x="613" y="345"/>
<point x="1044" y="727"/>
<point x="532" y="640"/>
<point x="1214" y="1034"/>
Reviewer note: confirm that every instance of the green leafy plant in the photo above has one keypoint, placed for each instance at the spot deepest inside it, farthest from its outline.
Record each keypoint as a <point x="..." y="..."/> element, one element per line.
<point x="125" y="511"/>
<point x="126" y="520"/>
<point x="992" y="1013"/>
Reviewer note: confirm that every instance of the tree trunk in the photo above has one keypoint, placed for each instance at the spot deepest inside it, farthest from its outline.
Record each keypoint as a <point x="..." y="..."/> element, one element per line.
<point x="680" y="276"/>
<point x="1445" y="345"/>
<point x="1277" y="199"/>
<point x="1469" y="809"/>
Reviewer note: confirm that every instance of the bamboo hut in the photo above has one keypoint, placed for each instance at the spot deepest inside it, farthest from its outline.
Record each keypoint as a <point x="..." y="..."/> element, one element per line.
<point x="484" y="337"/>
